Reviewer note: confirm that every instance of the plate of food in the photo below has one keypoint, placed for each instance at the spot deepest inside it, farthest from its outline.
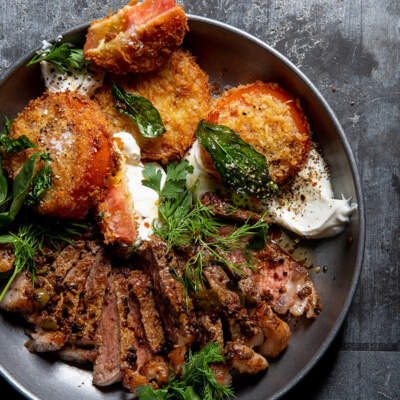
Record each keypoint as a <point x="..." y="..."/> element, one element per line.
<point x="181" y="214"/>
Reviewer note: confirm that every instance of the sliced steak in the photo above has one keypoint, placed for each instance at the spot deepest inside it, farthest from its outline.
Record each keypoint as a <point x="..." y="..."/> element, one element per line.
<point x="242" y="327"/>
<point x="244" y="359"/>
<point x="210" y="329"/>
<point x="150" y="317"/>
<point x="77" y="355"/>
<point x="91" y="301"/>
<point x="23" y="298"/>
<point x="106" y="369"/>
<point x="176" y="310"/>
<point x="276" y="332"/>
<point x="134" y="352"/>
<point x="224" y="209"/>
<point x="285" y="283"/>
<point x="138" y="364"/>
<point x="54" y="324"/>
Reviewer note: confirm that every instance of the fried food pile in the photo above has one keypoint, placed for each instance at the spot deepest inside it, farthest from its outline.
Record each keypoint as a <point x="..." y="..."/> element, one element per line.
<point x="132" y="319"/>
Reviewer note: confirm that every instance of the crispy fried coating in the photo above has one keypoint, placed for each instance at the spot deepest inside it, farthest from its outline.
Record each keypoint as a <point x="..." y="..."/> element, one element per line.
<point x="271" y="120"/>
<point x="138" y="38"/>
<point x="179" y="90"/>
<point x="73" y="129"/>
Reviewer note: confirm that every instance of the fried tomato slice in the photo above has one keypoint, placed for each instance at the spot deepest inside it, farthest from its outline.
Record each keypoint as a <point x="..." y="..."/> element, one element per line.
<point x="271" y="120"/>
<point x="180" y="92"/>
<point x="73" y="129"/>
<point x="138" y="38"/>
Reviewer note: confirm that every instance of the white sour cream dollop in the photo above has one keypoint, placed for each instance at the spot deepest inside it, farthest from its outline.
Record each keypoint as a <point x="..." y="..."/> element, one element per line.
<point x="206" y="181"/>
<point x="82" y="83"/>
<point x="145" y="200"/>
<point x="309" y="207"/>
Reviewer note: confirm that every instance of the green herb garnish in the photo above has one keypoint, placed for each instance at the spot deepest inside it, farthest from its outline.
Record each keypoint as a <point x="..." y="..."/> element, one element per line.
<point x="186" y="223"/>
<point x="63" y="56"/>
<point x="140" y="110"/>
<point x="242" y="169"/>
<point x="41" y="182"/>
<point x="198" y="381"/>
<point x="29" y="239"/>
<point x="10" y="145"/>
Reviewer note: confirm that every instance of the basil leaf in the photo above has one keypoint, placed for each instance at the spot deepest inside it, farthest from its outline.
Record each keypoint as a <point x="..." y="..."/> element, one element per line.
<point x="40" y="183"/>
<point x="20" y="189"/>
<point x="12" y="146"/>
<point x="140" y="110"/>
<point x="63" y="56"/>
<point x="242" y="169"/>
<point x="4" y="195"/>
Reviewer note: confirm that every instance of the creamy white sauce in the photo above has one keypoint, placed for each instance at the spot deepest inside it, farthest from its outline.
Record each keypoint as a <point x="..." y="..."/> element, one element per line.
<point x="57" y="81"/>
<point x="309" y="207"/>
<point x="145" y="200"/>
<point x="206" y="181"/>
<point x="82" y="83"/>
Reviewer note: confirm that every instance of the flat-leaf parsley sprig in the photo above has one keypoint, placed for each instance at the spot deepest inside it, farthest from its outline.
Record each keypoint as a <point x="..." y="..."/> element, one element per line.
<point x="64" y="56"/>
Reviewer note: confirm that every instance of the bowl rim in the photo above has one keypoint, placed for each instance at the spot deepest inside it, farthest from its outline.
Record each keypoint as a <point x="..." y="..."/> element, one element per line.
<point x="355" y="174"/>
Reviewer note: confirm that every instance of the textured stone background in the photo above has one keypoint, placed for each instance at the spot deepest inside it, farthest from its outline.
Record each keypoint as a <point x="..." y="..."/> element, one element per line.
<point x="354" y="46"/>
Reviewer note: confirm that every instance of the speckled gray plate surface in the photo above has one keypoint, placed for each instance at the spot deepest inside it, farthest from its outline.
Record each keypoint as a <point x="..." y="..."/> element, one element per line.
<point x="230" y="57"/>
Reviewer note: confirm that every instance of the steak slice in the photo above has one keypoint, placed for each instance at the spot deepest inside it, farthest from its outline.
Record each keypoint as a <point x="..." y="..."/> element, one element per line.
<point x="224" y="209"/>
<point x="54" y="324"/>
<point x="91" y="301"/>
<point x="276" y="332"/>
<point x="242" y="327"/>
<point x="23" y="298"/>
<point x="138" y="364"/>
<point x="244" y="359"/>
<point x="77" y="355"/>
<point x="150" y="317"/>
<point x="285" y="283"/>
<point x="210" y="329"/>
<point x="106" y="369"/>
<point x="176" y="310"/>
<point x="134" y="352"/>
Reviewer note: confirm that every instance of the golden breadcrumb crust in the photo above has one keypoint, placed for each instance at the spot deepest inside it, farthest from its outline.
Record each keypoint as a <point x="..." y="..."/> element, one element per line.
<point x="271" y="120"/>
<point x="180" y="92"/>
<point x="117" y="44"/>
<point x="73" y="129"/>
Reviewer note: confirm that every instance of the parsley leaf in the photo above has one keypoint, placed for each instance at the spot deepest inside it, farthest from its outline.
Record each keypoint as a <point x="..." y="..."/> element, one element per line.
<point x="63" y="56"/>
<point x="152" y="177"/>
<point x="140" y="110"/>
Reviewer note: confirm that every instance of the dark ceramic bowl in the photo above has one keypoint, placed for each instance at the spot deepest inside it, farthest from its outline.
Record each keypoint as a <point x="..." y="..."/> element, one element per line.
<point x="230" y="57"/>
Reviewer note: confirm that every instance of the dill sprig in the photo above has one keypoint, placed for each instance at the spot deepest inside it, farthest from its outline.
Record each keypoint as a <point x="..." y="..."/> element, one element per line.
<point x="30" y="239"/>
<point x="184" y="222"/>
<point x="198" y="380"/>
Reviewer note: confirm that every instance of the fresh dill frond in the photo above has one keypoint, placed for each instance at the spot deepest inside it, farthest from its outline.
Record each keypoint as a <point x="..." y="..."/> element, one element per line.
<point x="30" y="238"/>
<point x="198" y="380"/>
<point x="184" y="222"/>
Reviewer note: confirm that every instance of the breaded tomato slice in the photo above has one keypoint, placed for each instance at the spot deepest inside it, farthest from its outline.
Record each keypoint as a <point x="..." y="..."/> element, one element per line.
<point x="73" y="129"/>
<point x="271" y="120"/>
<point x="138" y="38"/>
<point x="118" y="220"/>
<point x="180" y="92"/>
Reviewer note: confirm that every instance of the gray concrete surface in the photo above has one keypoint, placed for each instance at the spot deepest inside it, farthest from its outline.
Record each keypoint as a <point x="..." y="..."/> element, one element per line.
<point x="350" y="45"/>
